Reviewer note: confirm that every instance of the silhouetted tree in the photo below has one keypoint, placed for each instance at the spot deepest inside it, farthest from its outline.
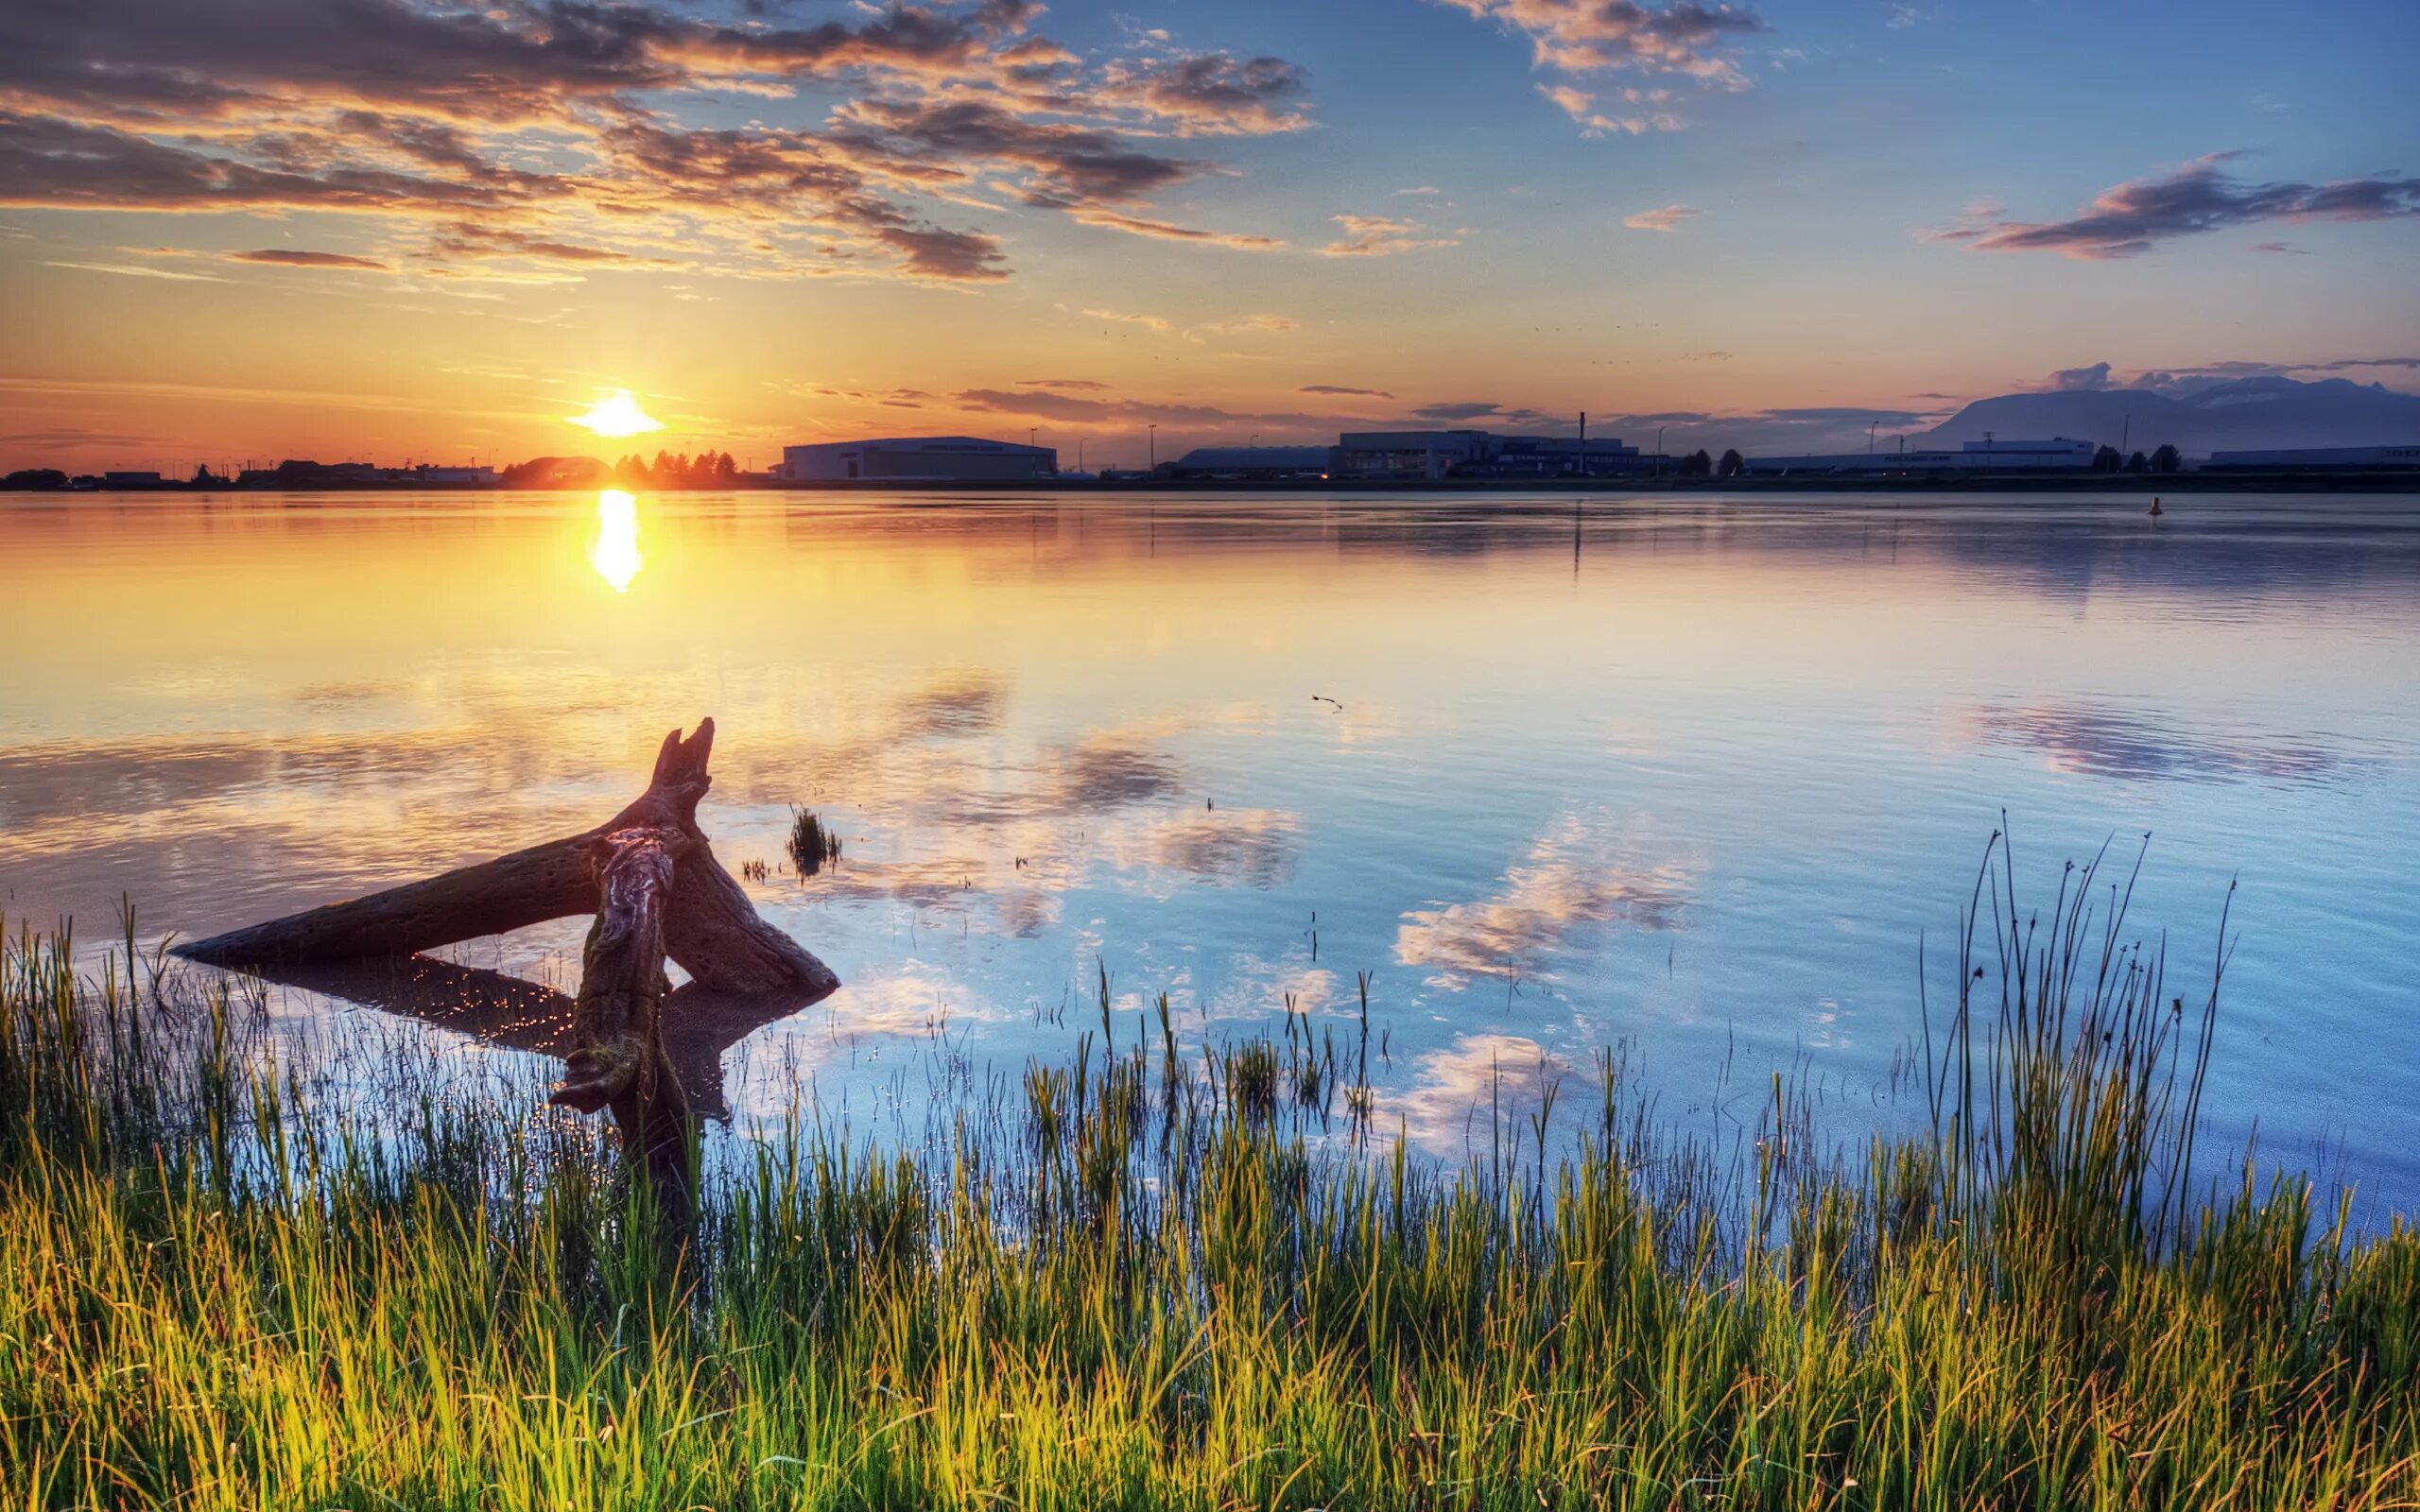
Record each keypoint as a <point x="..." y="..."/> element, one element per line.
<point x="35" y="477"/>
<point x="2138" y="463"/>
<point x="1732" y="465"/>
<point x="631" y="470"/>
<point x="661" y="468"/>
<point x="1698" y="464"/>
<point x="726" y="471"/>
<point x="2107" y="461"/>
<point x="2166" y="459"/>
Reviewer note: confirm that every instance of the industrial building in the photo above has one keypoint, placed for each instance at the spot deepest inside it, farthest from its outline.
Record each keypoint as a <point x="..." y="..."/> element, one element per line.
<point x="2399" y="457"/>
<point x="2055" y="455"/>
<point x="917" y="458"/>
<point x="1253" y="463"/>
<point x="1481" y="453"/>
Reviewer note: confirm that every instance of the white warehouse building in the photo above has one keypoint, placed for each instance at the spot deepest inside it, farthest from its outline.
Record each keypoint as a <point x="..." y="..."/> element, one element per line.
<point x="917" y="458"/>
<point x="2057" y="453"/>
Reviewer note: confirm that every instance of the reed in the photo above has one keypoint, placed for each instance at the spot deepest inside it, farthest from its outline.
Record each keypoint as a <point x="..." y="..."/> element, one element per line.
<point x="1195" y="1282"/>
<point x="811" y="846"/>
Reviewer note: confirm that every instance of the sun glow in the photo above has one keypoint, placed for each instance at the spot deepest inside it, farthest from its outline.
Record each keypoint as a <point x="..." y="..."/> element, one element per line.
<point x="614" y="553"/>
<point x="618" y="416"/>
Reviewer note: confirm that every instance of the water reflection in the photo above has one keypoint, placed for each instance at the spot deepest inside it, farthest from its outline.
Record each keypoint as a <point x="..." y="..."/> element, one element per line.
<point x="1496" y="753"/>
<point x="2106" y="742"/>
<point x="614" y="553"/>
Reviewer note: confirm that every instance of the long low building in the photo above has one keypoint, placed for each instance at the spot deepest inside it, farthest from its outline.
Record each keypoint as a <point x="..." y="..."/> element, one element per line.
<point x="918" y="459"/>
<point x="1481" y="453"/>
<point x="2059" y="453"/>
<point x="1243" y="463"/>
<point x="2332" y="456"/>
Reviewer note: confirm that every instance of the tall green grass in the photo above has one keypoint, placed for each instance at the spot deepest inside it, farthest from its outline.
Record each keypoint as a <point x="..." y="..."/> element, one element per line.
<point x="1162" y="1276"/>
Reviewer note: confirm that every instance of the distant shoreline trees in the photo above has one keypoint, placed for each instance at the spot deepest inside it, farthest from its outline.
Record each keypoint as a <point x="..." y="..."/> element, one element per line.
<point x="707" y="470"/>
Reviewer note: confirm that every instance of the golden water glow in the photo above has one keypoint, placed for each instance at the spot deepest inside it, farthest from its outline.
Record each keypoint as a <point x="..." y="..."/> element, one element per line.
<point x="614" y="553"/>
<point x="616" y="416"/>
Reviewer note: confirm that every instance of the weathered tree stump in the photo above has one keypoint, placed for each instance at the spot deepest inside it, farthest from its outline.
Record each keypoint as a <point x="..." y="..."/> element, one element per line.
<point x="709" y="925"/>
<point x="652" y="882"/>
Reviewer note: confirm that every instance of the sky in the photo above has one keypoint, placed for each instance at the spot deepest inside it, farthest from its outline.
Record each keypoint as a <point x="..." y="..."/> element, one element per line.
<point x="240" y="230"/>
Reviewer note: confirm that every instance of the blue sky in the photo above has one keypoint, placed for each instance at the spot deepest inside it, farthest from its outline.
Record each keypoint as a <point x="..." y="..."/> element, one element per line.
<point x="295" y="223"/>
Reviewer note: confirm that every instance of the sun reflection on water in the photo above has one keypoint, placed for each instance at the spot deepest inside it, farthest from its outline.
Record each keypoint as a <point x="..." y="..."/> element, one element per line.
<point x="614" y="553"/>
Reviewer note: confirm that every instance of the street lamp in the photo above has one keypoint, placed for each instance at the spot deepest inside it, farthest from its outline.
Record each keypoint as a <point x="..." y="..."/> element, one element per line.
<point x="1659" y="450"/>
<point x="1868" y="435"/>
<point x="1154" y="438"/>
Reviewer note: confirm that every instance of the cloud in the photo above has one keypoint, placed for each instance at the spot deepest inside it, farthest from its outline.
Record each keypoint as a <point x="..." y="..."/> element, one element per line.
<point x="1663" y="218"/>
<point x="560" y="123"/>
<point x="1263" y="321"/>
<point x="1162" y="230"/>
<point x="2280" y="247"/>
<point x="1581" y="107"/>
<point x="2201" y="197"/>
<point x="136" y="271"/>
<point x="1208" y="93"/>
<point x="1423" y="190"/>
<point x="1149" y="322"/>
<point x="1341" y="390"/>
<point x="1465" y="410"/>
<point x="1075" y="411"/>
<point x="71" y="437"/>
<point x="282" y="257"/>
<point x="2078" y="380"/>
<point x="1066" y="385"/>
<point x="1586" y="36"/>
<point x="1382" y="236"/>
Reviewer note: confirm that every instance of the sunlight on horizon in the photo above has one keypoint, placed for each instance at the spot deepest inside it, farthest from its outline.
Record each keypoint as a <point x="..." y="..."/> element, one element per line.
<point x="614" y="553"/>
<point x="618" y="416"/>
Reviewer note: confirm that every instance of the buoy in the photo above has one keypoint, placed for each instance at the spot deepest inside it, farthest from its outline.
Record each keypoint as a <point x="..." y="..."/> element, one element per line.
<point x="2154" y="509"/>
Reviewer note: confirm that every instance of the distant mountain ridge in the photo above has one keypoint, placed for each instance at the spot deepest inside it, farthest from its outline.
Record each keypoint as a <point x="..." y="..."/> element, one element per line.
<point x="2238" y="414"/>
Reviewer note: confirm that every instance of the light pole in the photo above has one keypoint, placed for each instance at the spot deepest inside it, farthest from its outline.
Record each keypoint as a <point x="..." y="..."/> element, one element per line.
<point x="1154" y="439"/>
<point x="1870" y="428"/>
<point x="1659" y="450"/>
<point x="1256" y="441"/>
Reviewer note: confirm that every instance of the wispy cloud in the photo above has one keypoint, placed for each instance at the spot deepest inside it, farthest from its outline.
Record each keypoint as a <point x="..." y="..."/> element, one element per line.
<point x="283" y="257"/>
<point x="1340" y="390"/>
<point x="1383" y="236"/>
<point x="137" y="271"/>
<point x="2199" y="198"/>
<point x="1148" y="322"/>
<point x="1663" y="218"/>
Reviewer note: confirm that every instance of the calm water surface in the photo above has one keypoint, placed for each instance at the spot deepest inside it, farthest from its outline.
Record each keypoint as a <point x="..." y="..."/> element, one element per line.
<point x="1691" y="779"/>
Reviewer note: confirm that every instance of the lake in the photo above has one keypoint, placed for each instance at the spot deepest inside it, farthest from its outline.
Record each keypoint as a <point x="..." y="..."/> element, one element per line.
<point x="1687" y="777"/>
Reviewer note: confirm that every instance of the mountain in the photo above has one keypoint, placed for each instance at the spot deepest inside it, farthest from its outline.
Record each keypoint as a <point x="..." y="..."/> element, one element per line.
<point x="2229" y="415"/>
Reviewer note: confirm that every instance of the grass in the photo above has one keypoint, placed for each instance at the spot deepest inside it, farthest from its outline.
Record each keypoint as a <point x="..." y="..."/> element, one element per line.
<point x="1155" y="1276"/>
<point x="811" y="846"/>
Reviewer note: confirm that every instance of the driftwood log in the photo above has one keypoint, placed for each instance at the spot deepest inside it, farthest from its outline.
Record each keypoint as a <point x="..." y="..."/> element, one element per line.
<point x="651" y="880"/>
<point x="709" y="925"/>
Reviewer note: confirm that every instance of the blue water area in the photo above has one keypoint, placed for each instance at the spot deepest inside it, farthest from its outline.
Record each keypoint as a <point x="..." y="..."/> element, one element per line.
<point x="1691" y="780"/>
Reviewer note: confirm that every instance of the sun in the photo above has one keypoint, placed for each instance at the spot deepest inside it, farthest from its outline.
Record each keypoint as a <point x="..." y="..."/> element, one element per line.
<point x="618" y="416"/>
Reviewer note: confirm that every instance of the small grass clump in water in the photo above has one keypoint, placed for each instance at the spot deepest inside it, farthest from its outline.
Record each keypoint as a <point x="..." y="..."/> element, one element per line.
<point x="811" y="846"/>
<point x="221" y="1289"/>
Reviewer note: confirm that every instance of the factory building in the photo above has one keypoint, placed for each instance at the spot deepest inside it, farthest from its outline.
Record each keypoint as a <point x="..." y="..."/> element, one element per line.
<point x="1481" y="453"/>
<point x="918" y="459"/>
<point x="2328" y="456"/>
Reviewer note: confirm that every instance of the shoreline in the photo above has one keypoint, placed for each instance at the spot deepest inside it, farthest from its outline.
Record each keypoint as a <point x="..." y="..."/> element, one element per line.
<point x="2130" y="483"/>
